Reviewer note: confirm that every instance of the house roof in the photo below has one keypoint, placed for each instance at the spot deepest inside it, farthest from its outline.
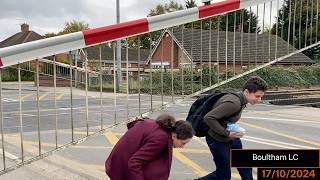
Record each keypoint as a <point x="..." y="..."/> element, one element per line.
<point x="252" y="51"/>
<point x="107" y="54"/>
<point x="19" y="38"/>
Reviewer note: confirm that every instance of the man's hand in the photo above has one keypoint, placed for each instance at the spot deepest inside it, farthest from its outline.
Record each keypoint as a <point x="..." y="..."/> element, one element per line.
<point x="234" y="135"/>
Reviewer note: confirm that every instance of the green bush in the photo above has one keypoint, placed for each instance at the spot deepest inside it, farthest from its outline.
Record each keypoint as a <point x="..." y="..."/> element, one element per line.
<point x="11" y="74"/>
<point x="275" y="76"/>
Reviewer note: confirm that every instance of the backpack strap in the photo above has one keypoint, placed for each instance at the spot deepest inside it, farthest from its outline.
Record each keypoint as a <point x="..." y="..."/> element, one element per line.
<point x="242" y="100"/>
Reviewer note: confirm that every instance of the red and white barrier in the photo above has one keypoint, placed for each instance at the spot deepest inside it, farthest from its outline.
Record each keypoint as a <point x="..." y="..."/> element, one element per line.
<point x="41" y="48"/>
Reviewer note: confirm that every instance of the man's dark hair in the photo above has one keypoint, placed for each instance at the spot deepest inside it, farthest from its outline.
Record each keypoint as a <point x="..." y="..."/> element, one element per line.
<point x="254" y="84"/>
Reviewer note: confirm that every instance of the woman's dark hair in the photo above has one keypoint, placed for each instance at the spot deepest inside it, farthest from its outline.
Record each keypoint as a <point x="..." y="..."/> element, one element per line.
<point x="183" y="129"/>
<point x="166" y="121"/>
<point x="254" y="84"/>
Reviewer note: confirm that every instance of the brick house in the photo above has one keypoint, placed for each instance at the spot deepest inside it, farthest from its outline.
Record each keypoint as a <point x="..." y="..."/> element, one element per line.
<point x="189" y="48"/>
<point x="25" y="35"/>
<point x="107" y="59"/>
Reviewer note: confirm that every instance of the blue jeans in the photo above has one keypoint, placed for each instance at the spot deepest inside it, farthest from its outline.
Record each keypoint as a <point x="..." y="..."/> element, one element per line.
<point x="221" y="157"/>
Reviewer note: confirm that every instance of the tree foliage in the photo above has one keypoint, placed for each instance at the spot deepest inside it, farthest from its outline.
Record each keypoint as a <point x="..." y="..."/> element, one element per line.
<point x="70" y="27"/>
<point x="150" y="38"/>
<point x="166" y="8"/>
<point x="302" y="30"/>
<point x="244" y="18"/>
<point x="190" y="4"/>
<point x="74" y="26"/>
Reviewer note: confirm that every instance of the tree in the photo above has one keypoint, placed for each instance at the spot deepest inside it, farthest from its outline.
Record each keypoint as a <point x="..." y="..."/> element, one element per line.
<point x="74" y="26"/>
<point x="166" y="8"/>
<point x="70" y="27"/>
<point x="307" y="35"/>
<point x="145" y="39"/>
<point x="48" y="35"/>
<point x="249" y="19"/>
<point x="190" y="4"/>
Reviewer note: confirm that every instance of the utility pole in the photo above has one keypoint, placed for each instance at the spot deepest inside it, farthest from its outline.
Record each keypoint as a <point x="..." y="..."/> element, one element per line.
<point x="118" y="76"/>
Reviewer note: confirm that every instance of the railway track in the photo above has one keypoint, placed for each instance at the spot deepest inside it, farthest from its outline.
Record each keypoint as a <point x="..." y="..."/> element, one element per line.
<point x="303" y="97"/>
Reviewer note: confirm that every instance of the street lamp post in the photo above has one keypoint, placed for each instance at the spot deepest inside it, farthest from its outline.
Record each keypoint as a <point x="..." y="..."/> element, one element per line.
<point x="118" y="76"/>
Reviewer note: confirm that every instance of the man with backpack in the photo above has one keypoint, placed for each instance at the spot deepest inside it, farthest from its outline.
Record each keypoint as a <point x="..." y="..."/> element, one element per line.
<point x="210" y="117"/>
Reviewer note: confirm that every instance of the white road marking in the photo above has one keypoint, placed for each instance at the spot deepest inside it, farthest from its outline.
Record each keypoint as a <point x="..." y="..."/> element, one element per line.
<point x="277" y="142"/>
<point x="9" y="155"/>
<point x="279" y="119"/>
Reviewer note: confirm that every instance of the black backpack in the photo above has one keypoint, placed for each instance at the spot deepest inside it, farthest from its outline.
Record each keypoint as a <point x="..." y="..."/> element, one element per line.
<point x="199" y="109"/>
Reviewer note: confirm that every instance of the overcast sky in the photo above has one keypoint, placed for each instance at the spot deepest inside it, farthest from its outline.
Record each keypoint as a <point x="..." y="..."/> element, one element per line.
<point x="45" y="16"/>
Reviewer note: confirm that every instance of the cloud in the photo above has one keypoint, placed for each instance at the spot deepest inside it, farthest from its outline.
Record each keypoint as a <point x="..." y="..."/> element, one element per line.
<point x="47" y="16"/>
<point x="42" y="16"/>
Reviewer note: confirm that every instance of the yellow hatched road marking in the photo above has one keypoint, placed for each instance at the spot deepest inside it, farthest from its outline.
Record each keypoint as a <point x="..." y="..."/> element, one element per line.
<point x="200" y="141"/>
<point x="60" y="96"/>
<point x="43" y="95"/>
<point x="194" y="151"/>
<point x="25" y="96"/>
<point x="178" y="154"/>
<point x="76" y="132"/>
<point x="111" y="137"/>
<point x="52" y="145"/>
<point x="97" y="171"/>
<point x="195" y="167"/>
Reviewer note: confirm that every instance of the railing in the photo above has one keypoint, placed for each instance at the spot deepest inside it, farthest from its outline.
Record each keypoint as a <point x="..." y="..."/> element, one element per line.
<point x="167" y="59"/>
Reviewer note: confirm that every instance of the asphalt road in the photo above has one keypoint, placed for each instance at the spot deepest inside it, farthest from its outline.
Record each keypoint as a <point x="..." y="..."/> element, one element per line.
<point x="268" y="127"/>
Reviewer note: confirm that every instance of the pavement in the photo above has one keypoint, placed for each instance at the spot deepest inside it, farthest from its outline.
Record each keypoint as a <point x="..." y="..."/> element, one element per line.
<point x="267" y="126"/>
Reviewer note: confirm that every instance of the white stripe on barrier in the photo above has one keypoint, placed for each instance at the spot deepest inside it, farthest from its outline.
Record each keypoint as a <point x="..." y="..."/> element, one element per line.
<point x="248" y="3"/>
<point x="172" y="19"/>
<point x="37" y="49"/>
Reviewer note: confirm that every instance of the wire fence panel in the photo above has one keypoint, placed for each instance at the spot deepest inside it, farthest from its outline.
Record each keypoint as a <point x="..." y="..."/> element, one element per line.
<point x="164" y="60"/>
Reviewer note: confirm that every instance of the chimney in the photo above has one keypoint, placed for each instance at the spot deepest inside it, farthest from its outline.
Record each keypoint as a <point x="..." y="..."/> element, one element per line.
<point x="24" y="27"/>
<point x="206" y="2"/>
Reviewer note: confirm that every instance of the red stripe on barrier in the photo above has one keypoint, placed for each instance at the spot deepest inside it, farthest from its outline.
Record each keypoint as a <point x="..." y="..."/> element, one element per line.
<point x="218" y="8"/>
<point x="1" y="64"/>
<point x="112" y="32"/>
